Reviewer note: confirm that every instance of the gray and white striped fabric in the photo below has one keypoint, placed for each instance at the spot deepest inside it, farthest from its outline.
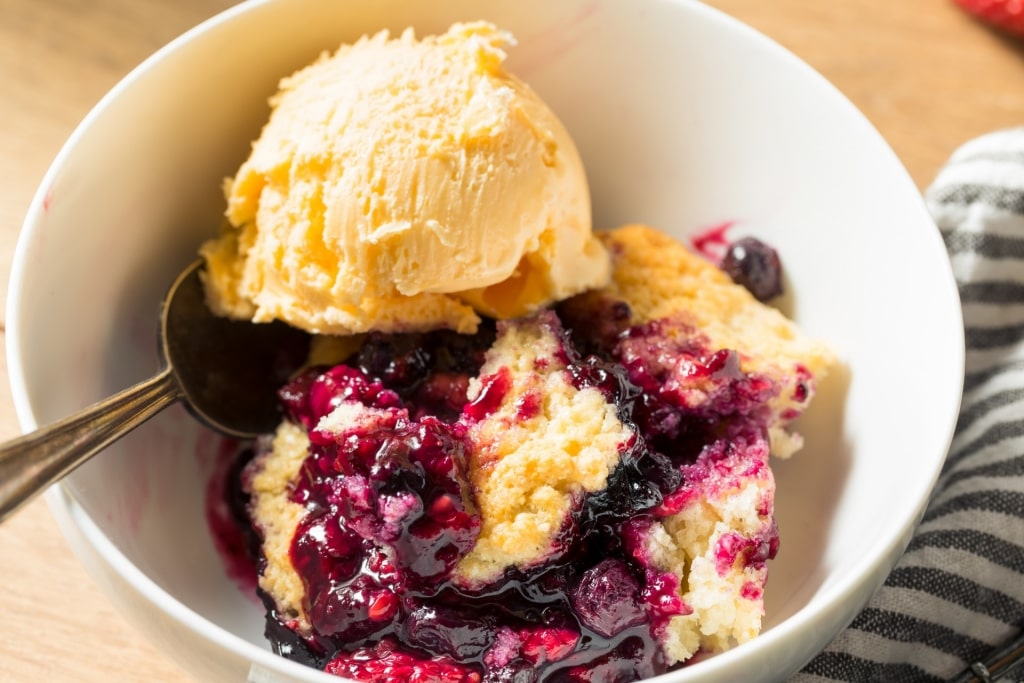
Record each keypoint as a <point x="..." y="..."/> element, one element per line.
<point x="958" y="592"/>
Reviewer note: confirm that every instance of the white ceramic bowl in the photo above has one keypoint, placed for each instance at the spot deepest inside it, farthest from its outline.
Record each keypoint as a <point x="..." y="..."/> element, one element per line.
<point x="684" y="118"/>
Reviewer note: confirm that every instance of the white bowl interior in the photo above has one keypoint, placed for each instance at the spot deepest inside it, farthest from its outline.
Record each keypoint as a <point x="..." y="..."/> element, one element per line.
<point x="684" y="118"/>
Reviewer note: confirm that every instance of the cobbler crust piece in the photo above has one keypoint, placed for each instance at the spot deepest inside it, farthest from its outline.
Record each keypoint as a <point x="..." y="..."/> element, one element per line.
<point x="537" y="452"/>
<point x="659" y="278"/>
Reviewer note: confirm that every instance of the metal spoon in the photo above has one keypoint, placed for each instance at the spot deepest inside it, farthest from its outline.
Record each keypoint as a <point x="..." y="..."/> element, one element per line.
<point x="227" y="371"/>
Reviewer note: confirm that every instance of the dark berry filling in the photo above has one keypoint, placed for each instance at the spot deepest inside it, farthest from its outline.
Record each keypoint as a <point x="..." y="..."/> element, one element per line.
<point x="390" y="510"/>
<point x="430" y="370"/>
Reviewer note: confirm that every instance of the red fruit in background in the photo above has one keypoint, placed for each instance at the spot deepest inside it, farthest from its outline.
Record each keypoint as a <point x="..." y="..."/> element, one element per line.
<point x="1005" y="15"/>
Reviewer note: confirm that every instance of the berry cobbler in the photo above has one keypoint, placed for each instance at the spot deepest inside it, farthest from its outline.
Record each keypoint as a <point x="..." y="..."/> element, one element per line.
<point x="582" y="494"/>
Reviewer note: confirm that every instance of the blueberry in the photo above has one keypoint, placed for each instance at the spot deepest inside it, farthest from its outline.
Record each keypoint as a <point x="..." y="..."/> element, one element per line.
<point x="607" y="598"/>
<point x="449" y="632"/>
<point x="755" y="265"/>
<point x="399" y="361"/>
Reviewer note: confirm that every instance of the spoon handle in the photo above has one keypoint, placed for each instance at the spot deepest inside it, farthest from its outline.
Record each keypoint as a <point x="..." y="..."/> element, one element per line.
<point x="32" y="462"/>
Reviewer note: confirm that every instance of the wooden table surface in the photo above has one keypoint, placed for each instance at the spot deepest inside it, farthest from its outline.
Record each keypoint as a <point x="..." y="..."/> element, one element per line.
<point x="924" y="73"/>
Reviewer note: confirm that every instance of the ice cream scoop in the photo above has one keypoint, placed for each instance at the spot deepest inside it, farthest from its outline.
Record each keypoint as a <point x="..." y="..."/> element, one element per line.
<point x="405" y="184"/>
<point x="226" y="371"/>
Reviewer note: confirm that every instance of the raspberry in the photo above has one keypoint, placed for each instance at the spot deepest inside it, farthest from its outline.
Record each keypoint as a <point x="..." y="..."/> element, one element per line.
<point x="387" y="663"/>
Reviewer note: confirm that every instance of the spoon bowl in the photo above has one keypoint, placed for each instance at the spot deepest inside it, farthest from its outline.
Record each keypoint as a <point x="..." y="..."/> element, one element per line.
<point x="226" y="371"/>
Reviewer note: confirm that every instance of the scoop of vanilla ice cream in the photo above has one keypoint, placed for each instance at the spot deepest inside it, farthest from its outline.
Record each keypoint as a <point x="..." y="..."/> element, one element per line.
<point x="404" y="184"/>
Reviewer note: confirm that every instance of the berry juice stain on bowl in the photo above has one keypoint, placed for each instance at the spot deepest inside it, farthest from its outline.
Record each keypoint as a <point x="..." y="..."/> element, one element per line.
<point x="713" y="241"/>
<point x="226" y="517"/>
<point x="621" y="390"/>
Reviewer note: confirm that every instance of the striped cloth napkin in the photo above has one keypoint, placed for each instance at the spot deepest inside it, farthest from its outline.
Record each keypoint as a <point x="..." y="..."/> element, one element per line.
<point x="958" y="592"/>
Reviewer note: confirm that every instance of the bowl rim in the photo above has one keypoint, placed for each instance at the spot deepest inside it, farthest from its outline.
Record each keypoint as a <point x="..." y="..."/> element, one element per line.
<point x="855" y="587"/>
